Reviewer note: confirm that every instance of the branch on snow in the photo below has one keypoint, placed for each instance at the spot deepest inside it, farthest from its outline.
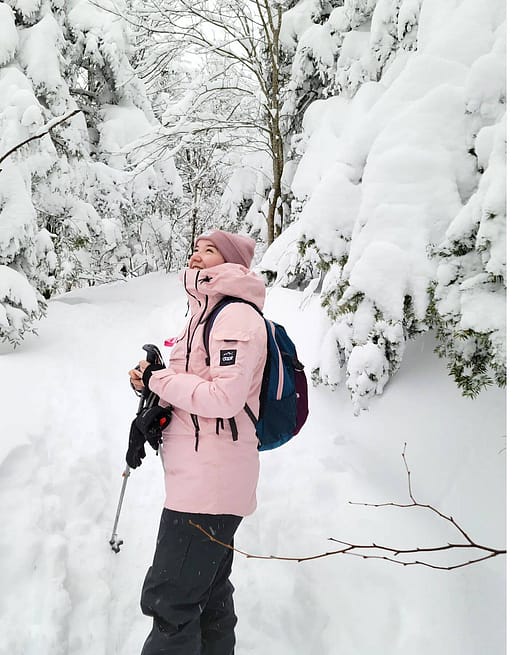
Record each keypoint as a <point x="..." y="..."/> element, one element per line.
<point x="473" y="552"/>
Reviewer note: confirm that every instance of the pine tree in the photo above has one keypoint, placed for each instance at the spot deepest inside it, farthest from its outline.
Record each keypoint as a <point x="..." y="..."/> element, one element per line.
<point x="94" y="211"/>
<point x="468" y="307"/>
<point x="20" y="115"/>
<point x="398" y="216"/>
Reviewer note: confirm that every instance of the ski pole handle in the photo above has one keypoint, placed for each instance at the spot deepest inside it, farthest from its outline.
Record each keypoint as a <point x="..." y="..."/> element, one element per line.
<point x="153" y="354"/>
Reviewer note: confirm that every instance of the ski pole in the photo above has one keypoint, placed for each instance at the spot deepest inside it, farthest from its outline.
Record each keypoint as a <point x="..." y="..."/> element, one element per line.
<point x="115" y="542"/>
<point x="153" y="356"/>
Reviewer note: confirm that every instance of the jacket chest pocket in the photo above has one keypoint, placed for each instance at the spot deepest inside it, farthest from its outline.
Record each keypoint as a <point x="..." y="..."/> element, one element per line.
<point x="227" y="345"/>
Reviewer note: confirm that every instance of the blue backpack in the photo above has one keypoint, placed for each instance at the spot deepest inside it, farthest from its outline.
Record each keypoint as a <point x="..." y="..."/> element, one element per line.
<point x="283" y="395"/>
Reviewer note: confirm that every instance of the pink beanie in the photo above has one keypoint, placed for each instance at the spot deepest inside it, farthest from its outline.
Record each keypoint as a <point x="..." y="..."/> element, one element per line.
<point x="234" y="248"/>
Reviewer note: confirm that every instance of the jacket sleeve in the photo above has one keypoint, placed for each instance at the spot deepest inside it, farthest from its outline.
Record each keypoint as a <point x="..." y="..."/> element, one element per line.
<point x="237" y="349"/>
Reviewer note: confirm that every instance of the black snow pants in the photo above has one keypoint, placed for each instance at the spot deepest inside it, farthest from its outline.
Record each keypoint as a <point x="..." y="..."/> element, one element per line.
<point x="187" y="589"/>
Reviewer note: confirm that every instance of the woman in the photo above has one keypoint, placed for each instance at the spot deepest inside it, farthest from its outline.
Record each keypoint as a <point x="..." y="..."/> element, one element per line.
<point x="209" y="450"/>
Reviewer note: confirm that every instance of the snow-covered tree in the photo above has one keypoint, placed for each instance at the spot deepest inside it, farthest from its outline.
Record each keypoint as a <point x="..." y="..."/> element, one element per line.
<point x="204" y="119"/>
<point x="336" y="46"/>
<point x="469" y="293"/>
<point x="246" y="36"/>
<point x="398" y="213"/>
<point x="77" y="207"/>
<point x="311" y="38"/>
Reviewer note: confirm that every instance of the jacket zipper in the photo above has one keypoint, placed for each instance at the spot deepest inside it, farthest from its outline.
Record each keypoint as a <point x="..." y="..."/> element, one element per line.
<point x="190" y="337"/>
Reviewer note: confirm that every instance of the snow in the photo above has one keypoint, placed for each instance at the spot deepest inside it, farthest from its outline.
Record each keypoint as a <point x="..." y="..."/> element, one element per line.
<point x="381" y="272"/>
<point x="8" y="35"/>
<point x="27" y="8"/>
<point x="67" y="408"/>
<point x="16" y="212"/>
<point x="318" y="41"/>
<point x="407" y="15"/>
<point x="295" y="22"/>
<point x="335" y="199"/>
<point x="100" y="18"/>
<point x="338" y="19"/>
<point x="16" y="98"/>
<point x="102" y="31"/>
<point x="251" y="181"/>
<point x="19" y="304"/>
<point x="421" y="75"/>
<point x="323" y="124"/>
<point x="120" y="126"/>
<point x="353" y="47"/>
<point x="16" y="288"/>
<point x="479" y="18"/>
<point x="483" y="311"/>
<point x="486" y="86"/>
<point x="40" y="47"/>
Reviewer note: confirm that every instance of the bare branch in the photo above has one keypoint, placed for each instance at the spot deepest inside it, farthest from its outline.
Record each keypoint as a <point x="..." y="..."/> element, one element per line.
<point x="47" y="130"/>
<point x="391" y="553"/>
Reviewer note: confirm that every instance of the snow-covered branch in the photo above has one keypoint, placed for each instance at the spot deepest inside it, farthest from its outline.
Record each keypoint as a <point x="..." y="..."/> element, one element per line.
<point x="245" y="37"/>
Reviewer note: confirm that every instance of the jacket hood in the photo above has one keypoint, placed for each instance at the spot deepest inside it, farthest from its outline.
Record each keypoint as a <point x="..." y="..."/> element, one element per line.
<point x="207" y="286"/>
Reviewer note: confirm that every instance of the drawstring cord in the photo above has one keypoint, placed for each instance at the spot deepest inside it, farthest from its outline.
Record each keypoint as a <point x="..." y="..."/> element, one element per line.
<point x="232" y="425"/>
<point x="194" y="418"/>
<point x="234" y="430"/>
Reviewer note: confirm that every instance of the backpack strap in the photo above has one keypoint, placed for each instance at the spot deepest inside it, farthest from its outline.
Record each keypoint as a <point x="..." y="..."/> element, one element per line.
<point x="251" y="415"/>
<point x="227" y="300"/>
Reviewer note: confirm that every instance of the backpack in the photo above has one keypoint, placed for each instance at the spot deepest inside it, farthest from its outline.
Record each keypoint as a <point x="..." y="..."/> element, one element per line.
<point x="283" y="394"/>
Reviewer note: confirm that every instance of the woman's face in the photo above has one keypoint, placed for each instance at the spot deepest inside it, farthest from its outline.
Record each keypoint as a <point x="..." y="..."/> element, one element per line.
<point x="205" y="255"/>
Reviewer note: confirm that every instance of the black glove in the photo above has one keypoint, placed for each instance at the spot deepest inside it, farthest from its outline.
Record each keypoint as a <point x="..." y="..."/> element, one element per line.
<point x="148" y="372"/>
<point x="135" y="451"/>
<point x="151" y="421"/>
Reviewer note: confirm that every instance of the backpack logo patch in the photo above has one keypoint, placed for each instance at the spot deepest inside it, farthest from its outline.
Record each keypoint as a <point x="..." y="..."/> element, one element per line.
<point x="228" y="357"/>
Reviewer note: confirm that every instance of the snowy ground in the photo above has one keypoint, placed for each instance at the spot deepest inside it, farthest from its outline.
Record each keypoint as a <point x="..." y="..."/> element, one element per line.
<point x="66" y="407"/>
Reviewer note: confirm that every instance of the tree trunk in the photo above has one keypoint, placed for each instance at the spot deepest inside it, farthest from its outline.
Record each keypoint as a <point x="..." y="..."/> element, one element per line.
<point x="274" y="218"/>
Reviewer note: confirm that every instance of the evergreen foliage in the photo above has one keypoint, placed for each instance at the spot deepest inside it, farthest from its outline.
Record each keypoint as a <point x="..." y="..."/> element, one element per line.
<point x="77" y="208"/>
<point x="396" y="176"/>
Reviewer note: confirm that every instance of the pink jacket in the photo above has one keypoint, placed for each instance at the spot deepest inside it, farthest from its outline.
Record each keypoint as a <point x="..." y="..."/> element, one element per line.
<point x="213" y="473"/>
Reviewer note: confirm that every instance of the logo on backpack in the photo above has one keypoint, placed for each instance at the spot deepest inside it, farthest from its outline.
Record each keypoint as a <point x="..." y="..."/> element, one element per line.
<point x="283" y="394"/>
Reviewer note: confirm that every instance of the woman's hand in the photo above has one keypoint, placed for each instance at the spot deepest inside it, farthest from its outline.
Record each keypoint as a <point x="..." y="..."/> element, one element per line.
<point x="135" y="375"/>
